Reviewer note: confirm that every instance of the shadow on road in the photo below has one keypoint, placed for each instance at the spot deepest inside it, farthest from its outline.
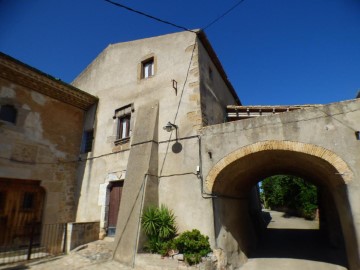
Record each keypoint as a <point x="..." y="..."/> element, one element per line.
<point x="306" y="244"/>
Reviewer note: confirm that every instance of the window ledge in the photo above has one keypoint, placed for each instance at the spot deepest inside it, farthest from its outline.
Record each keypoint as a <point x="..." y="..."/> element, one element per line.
<point x="121" y="141"/>
<point x="147" y="78"/>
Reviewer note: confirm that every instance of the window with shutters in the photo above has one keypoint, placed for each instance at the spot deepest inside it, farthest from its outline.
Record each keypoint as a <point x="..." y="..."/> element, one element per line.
<point x="123" y="121"/>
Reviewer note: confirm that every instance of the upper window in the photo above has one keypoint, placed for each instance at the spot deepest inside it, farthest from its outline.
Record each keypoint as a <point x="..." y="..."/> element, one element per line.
<point x="147" y="68"/>
<point x="8" y="113"/>
<point x="123" y="127"/>
<point x="88" y="141"/>
<point x="123" y="120"/>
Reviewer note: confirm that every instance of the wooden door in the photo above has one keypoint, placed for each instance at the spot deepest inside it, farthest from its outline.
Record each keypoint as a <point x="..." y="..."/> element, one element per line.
<point x="21" y="205"/>
<point x="114" y="205"/>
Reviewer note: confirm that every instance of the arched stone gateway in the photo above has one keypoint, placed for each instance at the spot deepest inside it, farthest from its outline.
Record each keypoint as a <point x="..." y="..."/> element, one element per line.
<point x="295" y="147"/>
<point x="233" y="177"/>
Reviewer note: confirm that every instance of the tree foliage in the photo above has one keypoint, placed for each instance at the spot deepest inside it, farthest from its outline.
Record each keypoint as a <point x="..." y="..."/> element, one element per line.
<point x="291" y="193"/>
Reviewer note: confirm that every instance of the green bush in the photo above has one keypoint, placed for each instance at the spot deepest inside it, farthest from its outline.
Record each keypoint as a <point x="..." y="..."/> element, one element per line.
<point x="160" y="228"/>
<point x="193" y="245"/>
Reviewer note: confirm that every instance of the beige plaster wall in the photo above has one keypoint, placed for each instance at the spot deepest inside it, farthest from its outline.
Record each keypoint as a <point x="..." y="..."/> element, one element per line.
<point x="214" y="93"/>
<point x="317" y="143"/>
<point x="114" y="77"/>
<point x="47" y="135"/>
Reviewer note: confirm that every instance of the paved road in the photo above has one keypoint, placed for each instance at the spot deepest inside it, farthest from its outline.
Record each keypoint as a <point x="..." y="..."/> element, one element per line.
<point x="290" y="244"/>
<point x="97" y="256"/>
<point x="294" y="243"/>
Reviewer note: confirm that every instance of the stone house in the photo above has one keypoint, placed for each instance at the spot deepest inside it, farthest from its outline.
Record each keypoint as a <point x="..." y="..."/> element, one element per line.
<point x="142" y="85"/>
<point x="150" y="130"/>
<point x="41" y="120"/>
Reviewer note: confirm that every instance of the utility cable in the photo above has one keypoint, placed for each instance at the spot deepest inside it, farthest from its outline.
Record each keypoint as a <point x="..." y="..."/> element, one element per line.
<point x="186" y="79"/>
<point x="178" y="107"/>
<point x="150" y="16"/>
<point x="173" y="24"/>
<point x="189" y="137"/>
<point x="223" y="15"/>
<point x="333" y="117"/>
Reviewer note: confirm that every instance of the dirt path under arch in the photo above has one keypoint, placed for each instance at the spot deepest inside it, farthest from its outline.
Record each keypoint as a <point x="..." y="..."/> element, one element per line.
<point x="294" y="243"/>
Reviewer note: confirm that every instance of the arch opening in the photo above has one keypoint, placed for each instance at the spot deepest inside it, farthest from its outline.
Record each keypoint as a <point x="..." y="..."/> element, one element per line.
<point x="237" y="210"/>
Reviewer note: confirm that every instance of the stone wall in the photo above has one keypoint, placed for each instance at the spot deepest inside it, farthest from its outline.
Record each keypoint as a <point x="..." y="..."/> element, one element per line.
<point x="42" y="145"/>
<point x="317" y="144"/>
<point x="81" y="233"/>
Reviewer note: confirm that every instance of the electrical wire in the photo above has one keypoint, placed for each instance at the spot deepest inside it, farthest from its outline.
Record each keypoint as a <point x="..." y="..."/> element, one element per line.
<point x="149" y="16"/>
<point x="173" y="24"/>
<point x="179" y="103"/>
<point x="223" y="15"/>
<point x="332" y="116"/>
<point x="188" y="137"/>
<point x="186" y="79"/>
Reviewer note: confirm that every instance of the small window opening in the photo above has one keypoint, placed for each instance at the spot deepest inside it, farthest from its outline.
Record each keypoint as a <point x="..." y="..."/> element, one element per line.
<point x="210" y="74"/>
<point x="124" y="127"/>
<point x="88" y="141"/>
<point x="8" y="113"/>
<point x="2" y="201"/>
<point x="147" y="68"/>
<point x="28" y="201"/>
<point x="122" y="119"/>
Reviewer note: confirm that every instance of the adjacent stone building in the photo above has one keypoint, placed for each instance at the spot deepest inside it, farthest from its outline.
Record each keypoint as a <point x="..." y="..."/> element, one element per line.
<point x="41" y="127"/>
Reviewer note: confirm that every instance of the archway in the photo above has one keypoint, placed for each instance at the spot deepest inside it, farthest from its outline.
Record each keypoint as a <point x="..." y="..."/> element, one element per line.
<point x="234" y="177"/>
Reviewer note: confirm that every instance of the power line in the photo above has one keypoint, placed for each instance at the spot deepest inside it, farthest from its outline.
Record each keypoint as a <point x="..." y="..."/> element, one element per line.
<point x="191" y="137"/>
<point x="173" y="24"/>
<point x="223" y="15"/>
<point x="150" y="16"/>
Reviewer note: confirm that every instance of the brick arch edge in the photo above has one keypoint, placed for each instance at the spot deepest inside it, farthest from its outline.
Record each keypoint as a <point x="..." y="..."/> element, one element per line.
<point x="313" y="150"/>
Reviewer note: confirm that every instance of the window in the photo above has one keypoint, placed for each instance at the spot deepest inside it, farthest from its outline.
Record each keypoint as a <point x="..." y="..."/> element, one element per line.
<point x="123" y="122"/>
<point x="88" y="141"/>
<point x="2" y="201"/>
<point x="147" y="68"/>
<point x="28" y="201"/>
<point x="8" y="113"/>
<point x="124" y="127"/>
<point x="210" y="74"/>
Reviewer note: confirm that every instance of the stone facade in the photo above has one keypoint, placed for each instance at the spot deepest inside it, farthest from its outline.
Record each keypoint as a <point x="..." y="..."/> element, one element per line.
<point x="204" y="169"/>
<point x="186" y="96"/>
<point x="42" y="143"/>
<point x="317" y="143"/>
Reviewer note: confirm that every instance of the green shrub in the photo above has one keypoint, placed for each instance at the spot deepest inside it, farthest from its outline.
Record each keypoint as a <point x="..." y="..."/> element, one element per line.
<point x="159" y="227"/>
<point x="193" y="245"/>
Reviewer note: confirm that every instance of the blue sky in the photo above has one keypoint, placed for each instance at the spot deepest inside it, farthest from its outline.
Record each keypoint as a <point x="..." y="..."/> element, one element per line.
<point x="273" y="51"/>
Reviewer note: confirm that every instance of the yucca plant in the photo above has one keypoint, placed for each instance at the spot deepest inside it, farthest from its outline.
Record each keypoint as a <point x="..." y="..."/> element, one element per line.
<point x="167" y="226"/>
<point x="159" y="226"/>
<point x="150" y="221"/>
